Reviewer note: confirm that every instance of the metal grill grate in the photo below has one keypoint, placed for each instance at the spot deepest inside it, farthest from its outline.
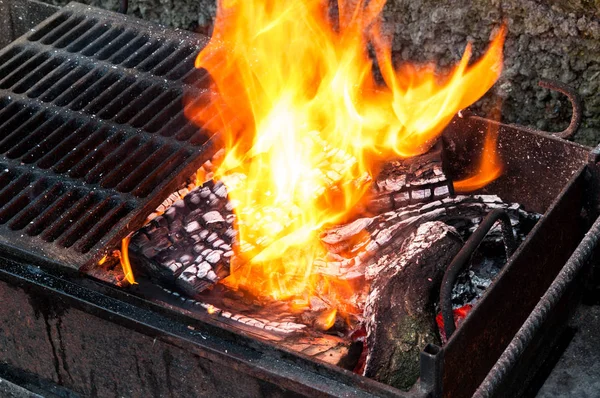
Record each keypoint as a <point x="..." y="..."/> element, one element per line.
<point x="93" y="134"/>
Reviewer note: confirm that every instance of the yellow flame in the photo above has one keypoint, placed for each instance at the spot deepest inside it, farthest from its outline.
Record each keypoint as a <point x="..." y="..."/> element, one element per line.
<point x="490" y="166"/>
<point x="326" y="319"/>
<point x="125" y="264"/>
<point x="305" y="123"/>
<point x="103" y="259"/>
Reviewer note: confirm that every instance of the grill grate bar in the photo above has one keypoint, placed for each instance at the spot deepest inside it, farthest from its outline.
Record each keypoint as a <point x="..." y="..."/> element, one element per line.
<point x="53" y="213"/>
<point x="129" y="49"/>
<point x="153" y="59"/>
<point x="85" y="97"/>
<point x="92" y="35"/>
<point x="110" y="219"/>
<point x="49" y="192"/>
<point x="64" y="146"/>
<point x="104" y="39"/>
<point x="62" y="29"/>
<point x="72" y="77"/>
<point x="29" y="214"/>
<point x="33" y="118"/>
<point x="28" y="142"/>
<point x="21" y="198"/>
<point x="50" y="24"/>
<point x="63" y="223"/>
<point x="172" y="61"/>
<point x="77" y="227"/>
<point x="74" y="33"/>
<point x="102" y="100"/>
<point x="168" y="103"/>
<point x="116" y="44"/>
<point x="80" y="157"/>
<point x="82" y="99"/>
<point x="13" y="188"/>
<point x="34" y="106"/>
<point x="98" y="173"/>
<point x="143" y="151"/>
<point x="138" y="174"/>
<point x="51" y="79"/>
<point x="38" y="73"/>
<point x="180" y="70"/>
<point x="159" y="174"/>
<point x="19" y="72"/>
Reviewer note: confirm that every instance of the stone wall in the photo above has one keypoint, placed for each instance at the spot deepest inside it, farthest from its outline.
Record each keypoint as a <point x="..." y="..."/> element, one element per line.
<point x="551" y="39"/>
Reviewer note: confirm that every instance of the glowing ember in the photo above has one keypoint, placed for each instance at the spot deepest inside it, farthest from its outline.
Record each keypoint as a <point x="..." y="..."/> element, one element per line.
<point x="312" y="124"/>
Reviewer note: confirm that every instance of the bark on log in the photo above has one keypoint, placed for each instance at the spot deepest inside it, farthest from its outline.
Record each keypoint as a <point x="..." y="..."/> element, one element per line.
<point x="399" y="313"/>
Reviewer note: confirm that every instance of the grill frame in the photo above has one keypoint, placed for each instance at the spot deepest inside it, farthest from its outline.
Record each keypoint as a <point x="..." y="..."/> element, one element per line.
<point x="39" y="303"/>
<point x="92" y="117"/>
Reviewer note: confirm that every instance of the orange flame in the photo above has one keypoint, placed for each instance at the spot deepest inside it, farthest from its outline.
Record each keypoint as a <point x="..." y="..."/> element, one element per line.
<point x="305" y="123"/>
<point x="124" y="258"/>
<point x="326" y="319"/>
<point x="490" y="164"/>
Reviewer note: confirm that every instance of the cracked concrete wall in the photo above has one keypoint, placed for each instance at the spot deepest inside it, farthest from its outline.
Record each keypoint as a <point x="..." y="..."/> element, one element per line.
<point x="550" y="39"/>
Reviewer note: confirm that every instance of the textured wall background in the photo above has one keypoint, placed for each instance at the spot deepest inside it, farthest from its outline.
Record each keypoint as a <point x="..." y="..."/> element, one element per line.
<point x="551" y="39"/>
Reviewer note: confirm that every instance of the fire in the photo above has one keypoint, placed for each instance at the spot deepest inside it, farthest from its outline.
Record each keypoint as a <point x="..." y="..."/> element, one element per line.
<point x="327" y="319"/>
<point x="306" y="122"/>
<point x="124" y="258"/>
<point x="490" y="165"/>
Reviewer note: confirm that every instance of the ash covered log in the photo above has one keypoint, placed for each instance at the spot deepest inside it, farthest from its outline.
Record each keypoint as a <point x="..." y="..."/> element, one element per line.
<point x="401" y="182"/>
<point x="399" y="312"/>
<point x="191" y="244"/>
<point x="353" y="245"/>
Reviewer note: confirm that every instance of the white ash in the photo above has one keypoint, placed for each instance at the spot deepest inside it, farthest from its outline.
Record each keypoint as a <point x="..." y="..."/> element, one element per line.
<point x="190" y="245"/>
<point x="463" y="212"/>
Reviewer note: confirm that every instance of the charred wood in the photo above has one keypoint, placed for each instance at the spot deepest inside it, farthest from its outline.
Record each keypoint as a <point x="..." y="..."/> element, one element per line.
<point x="399" y="312"/>
<point x="402" y="182"/>
<point x="191" y="244"/>
<point x="353" y="245"/>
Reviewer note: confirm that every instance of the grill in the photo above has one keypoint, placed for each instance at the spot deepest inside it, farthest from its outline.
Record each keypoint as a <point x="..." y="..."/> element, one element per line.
<point x="93" y="138"/>
<point x="92" y="131"/>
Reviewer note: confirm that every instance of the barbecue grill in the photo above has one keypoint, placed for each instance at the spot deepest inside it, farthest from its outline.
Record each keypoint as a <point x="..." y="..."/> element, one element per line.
<point x="93" y="138"/>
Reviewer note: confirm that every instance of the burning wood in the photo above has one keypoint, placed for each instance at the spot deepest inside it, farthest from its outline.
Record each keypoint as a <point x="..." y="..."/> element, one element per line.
<point x="411" y="180"/>
<point x="191" y="244"/>
<point x="354" y="245"/>
<point x="399" y="313"/>
<point x="295" y="166"/>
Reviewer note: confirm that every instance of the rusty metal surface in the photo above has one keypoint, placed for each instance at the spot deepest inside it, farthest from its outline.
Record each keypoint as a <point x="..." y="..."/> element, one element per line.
<point x="544" y="174"/>
<point x="98" y="341"/>
<point x="536" y="166"/>
<point x="576" y="104"/>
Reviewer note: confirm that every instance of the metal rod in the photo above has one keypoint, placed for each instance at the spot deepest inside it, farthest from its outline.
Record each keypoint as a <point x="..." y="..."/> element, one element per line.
<point x="573" y="96"/>
<point x="540" y="313"/>
<point x="123" y="6"/>
<point x="464" y="255"/>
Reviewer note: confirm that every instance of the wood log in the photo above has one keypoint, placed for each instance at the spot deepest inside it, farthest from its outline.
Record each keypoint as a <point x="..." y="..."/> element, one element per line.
<point x="399" y="312"/>
<point x="353" y="245"/>
<point x="273" y="323"/>
<point x="402" y="182"/>
<point x="191" y="244"/>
